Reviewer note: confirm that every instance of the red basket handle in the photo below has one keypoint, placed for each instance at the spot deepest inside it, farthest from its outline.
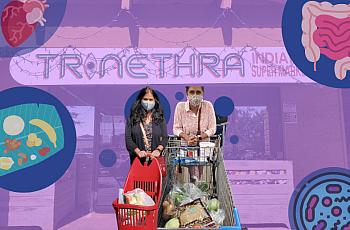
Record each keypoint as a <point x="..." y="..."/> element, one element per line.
<point x="149" y="157"/>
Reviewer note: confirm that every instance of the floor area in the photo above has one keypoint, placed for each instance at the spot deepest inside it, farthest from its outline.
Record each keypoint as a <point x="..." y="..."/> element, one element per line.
<point x="97" y="221"/>
<point x="93" y="221"/>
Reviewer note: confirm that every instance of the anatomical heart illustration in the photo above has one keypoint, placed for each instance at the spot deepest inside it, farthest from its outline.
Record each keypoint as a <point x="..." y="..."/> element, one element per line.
<point x="326" y="31"/>
<point x="20" y="18"/>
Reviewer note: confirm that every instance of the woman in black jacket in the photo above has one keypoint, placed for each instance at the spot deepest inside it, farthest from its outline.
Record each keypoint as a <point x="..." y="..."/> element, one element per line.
<point x="146" y="129"/>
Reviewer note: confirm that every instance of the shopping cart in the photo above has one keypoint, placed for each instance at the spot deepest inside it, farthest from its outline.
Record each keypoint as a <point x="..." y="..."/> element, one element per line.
<point x="149" y="178"/>
<point x="180" y="158"/>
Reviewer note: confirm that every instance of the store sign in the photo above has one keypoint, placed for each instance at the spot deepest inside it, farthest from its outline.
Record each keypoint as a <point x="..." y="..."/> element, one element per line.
<point x="74" y="66"/>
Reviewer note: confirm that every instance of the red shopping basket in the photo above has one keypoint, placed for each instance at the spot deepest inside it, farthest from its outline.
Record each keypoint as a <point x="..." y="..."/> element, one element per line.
<point x="149" y="178"/>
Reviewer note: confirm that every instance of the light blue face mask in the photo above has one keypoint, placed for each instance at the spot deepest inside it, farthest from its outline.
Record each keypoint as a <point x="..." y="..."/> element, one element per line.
<point x="148" y="105"/>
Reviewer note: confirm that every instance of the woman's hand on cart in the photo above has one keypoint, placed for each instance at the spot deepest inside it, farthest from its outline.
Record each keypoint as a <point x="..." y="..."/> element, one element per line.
<point x="155" y="153"/>
<point x="141" y="154"/>
<point x="203" y="135"/>
<point x="192" y="140"/>
<point x="150" y="155"/>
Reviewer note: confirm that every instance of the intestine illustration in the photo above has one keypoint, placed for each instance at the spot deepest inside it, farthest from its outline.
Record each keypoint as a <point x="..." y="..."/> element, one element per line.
<point x="326" y="31"/>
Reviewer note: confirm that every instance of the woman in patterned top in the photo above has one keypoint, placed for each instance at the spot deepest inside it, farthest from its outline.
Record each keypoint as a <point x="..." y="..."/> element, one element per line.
<point x="146" y="130"/>
<point x="194" y="121"/>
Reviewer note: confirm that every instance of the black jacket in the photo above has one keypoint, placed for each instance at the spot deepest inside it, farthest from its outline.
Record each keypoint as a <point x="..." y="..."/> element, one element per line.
<point x="134" y="137"/>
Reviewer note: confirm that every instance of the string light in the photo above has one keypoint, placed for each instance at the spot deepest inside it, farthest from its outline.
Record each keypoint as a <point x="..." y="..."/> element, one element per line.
<point x="169" y="70"/>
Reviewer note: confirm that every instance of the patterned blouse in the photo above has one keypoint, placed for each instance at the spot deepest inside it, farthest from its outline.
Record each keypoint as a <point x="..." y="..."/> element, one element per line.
<point x="148" y="130"/>
<point x="186" y="121"/>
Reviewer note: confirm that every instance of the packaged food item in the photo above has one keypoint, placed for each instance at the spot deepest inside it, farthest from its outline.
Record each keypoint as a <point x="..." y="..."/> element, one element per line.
<point x="194" y="213"/>
<point x="138" y="197"/>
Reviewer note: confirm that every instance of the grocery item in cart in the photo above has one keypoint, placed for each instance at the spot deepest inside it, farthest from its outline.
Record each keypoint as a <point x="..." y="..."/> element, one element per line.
<point x="192" y="193"/>
<point x="177" y="195"/>
<point x="203" y="186"/>
<point x="173" y="223"/>
<point x="213" y="205"/>
<point x="206" y="150"/>
<point x="138" y="197"/>
<point x="195" y="213"/>
<point x="186" y="193"/>
<point x="218" y="216"/>
<point x="212" y="188"/>
<point x="180" y="195"/>
<point x="142" y="179"/>
<point x="169" y="209"/>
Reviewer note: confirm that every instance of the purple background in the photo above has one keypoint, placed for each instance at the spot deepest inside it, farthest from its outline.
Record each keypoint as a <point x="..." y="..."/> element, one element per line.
<point x="82" y="198"/>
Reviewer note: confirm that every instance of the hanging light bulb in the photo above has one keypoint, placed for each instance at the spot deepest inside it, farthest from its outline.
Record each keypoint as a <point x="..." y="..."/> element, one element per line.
<point x="225" y="4"/>
<point x="125" y="5"/>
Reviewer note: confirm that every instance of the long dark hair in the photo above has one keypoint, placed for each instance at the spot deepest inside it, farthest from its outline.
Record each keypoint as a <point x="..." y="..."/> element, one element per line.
<point x="138" y="113"/>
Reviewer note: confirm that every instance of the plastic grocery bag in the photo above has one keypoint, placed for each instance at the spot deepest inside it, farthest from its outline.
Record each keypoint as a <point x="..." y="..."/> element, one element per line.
<point x="192" y="193"/>
<point x="186" y="193"/>
<point x="218" y="216"/>
<point x="138" y="197"/>
<point x="178" y="194"/>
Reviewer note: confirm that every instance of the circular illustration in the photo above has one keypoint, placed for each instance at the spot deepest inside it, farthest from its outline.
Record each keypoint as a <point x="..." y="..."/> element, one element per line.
<point x="316" y="36"/>
<point x="37" y="139"/>
<point x="321" y="201"/>
<point x="108" y="158"/>
<point x="179" y="96"/>
<point x="28" y="24"/>
<point x="224" y="106"/>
